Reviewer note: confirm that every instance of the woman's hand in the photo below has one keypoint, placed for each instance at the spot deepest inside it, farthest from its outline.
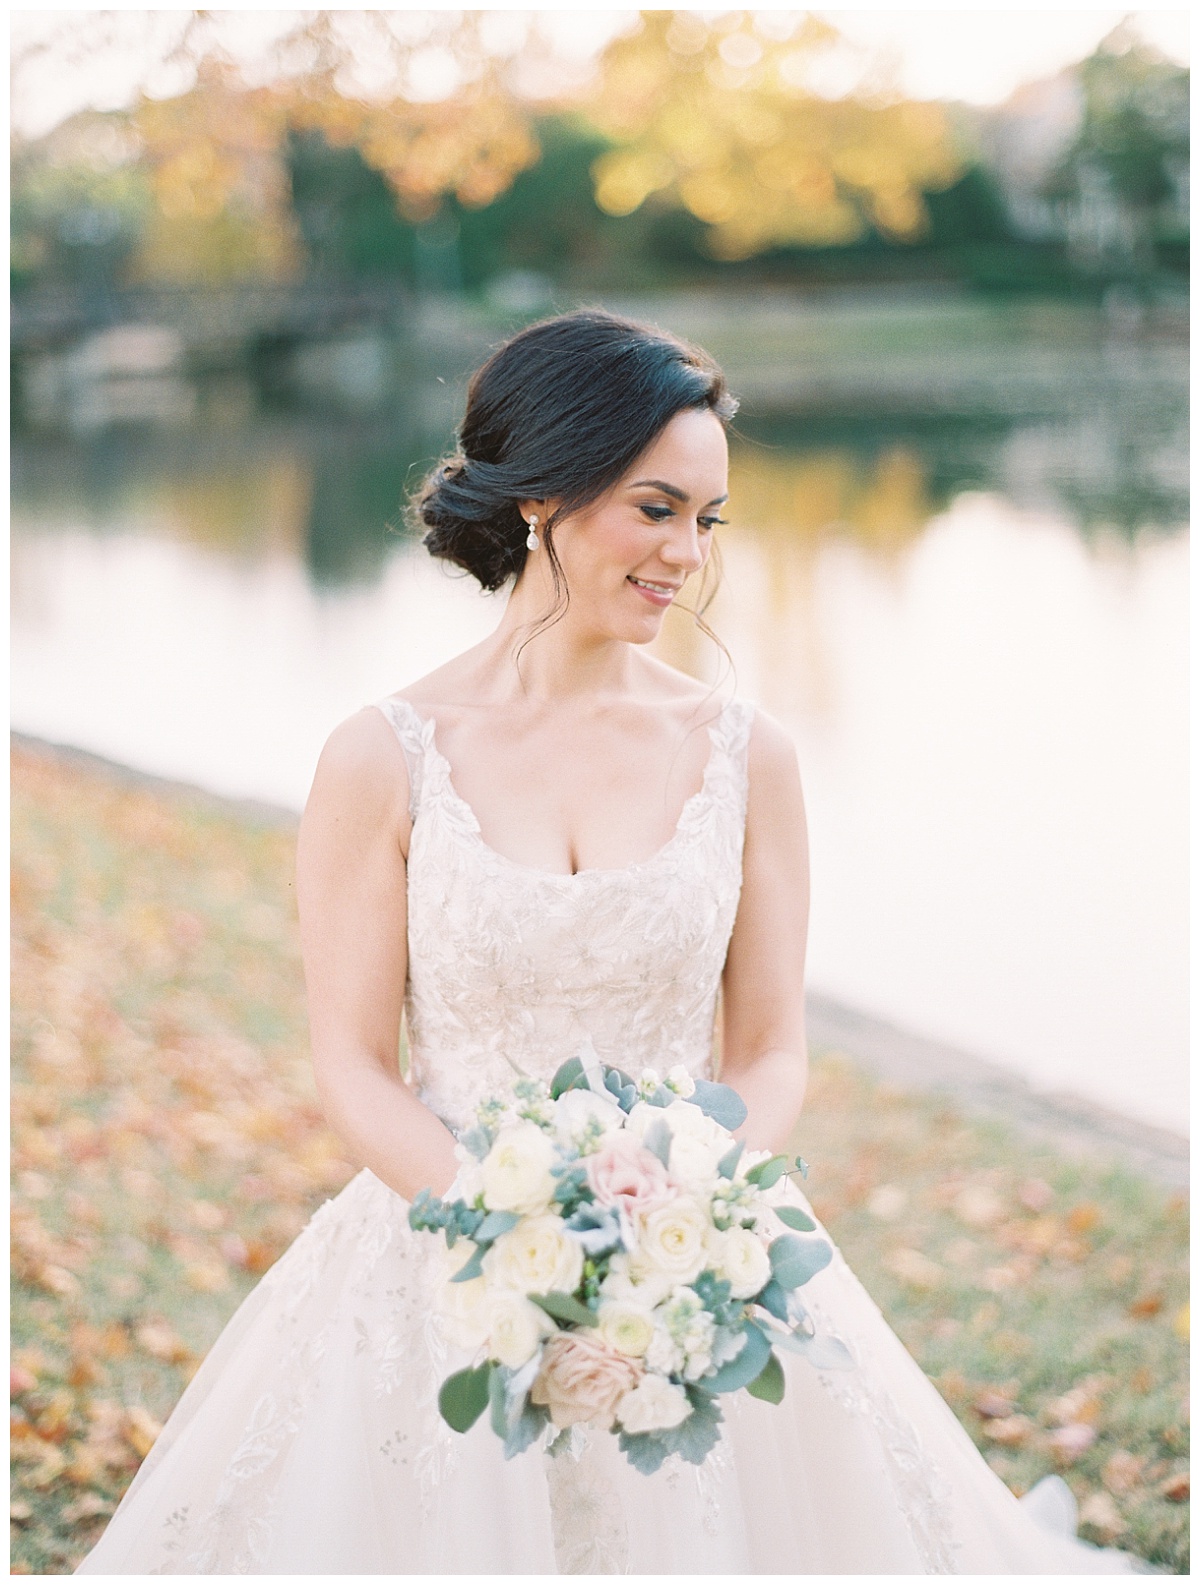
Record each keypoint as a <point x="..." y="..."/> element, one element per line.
<point x="351" y="888"/>
<point x="764" y="1053"/>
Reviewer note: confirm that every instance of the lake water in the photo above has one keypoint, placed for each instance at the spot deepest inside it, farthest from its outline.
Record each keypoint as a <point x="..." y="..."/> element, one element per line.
<point x="976" y="633"/>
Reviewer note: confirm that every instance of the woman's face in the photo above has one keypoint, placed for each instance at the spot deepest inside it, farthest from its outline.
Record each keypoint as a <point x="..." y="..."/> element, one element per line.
<point x="625" y="557"/>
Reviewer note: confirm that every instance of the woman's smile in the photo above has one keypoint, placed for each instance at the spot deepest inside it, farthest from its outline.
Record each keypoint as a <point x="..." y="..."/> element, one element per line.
<point x="660" y="594"/>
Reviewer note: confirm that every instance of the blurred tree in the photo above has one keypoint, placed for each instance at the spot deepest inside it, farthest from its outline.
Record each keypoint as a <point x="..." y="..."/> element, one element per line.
<point x="715" y="112"/>
<point x="1122" y="185"/>
<point x="711" y="113"/>
<point x="222" y="206"/>
<point x="78" y="204"/>
<point x="346" y="212"/>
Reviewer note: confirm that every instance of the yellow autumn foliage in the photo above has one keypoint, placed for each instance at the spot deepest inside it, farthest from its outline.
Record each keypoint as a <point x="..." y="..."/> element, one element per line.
<point x="713" y="111"/>
<point x="716" y="112"/>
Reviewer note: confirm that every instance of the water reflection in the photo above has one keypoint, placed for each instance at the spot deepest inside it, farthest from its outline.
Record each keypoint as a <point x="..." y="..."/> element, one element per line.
<point x="333" y="492"/>
<point x="976" y="633"/>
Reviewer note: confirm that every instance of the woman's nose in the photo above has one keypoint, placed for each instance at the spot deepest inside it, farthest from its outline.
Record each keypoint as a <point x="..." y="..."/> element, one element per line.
<point x="683" y="548"/>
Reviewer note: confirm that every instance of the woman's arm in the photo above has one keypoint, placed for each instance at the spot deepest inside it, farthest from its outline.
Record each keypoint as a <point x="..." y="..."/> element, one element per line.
<point x="764" y="1054"/>
<point x="351" y="887"/>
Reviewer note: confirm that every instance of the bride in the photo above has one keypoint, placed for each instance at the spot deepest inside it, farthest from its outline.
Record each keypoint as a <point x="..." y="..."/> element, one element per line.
<point x="554" y="838"/>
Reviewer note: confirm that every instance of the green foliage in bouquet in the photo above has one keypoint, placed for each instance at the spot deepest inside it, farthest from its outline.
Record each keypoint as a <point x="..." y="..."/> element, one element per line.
<point x="699" y="1330"/>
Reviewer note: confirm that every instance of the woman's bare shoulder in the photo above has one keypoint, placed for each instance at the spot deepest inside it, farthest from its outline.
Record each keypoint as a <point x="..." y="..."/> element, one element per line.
<point x="362" y="770"/>
<point x="776" y="798"/>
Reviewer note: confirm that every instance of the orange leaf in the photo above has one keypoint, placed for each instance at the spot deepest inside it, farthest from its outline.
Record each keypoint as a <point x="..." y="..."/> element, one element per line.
<point x="141" y="1429"/>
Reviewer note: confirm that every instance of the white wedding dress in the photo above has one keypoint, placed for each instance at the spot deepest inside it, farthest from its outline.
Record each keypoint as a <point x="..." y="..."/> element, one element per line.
<point x="309" y="1441"/>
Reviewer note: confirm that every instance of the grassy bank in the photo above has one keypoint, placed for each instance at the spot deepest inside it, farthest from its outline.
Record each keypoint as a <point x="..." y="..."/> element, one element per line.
<point x="167" y="1147"/>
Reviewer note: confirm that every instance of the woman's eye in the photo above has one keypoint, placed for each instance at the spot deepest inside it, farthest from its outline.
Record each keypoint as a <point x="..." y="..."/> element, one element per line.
<point x="655" y="512"/>
<point x="711" y="522"/>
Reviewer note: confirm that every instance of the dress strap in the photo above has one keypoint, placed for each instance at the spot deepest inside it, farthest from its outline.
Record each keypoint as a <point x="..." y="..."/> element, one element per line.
<point x="414" y="734"/>
<point x="732" y="733"/>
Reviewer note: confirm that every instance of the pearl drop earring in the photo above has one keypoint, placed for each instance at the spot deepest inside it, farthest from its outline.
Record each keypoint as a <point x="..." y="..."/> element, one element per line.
<point x="531" y="539"/>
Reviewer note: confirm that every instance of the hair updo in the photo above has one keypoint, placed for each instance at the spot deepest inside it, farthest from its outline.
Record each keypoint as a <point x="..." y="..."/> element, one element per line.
<point x="561" y="411"/>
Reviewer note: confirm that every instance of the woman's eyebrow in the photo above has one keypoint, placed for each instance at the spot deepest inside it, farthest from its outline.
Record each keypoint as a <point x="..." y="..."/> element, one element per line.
<point x="671" y="490"/>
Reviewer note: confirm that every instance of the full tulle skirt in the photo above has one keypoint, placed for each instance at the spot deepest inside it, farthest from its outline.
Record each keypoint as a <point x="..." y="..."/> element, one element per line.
<point x="309" y="1442"/>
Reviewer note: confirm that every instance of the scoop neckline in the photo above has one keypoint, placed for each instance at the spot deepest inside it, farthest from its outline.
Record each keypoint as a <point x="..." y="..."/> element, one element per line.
<point x="429" y="740"/>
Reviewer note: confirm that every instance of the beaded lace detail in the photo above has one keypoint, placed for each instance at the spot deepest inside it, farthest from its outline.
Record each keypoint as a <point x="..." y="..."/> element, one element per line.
<point x="511" y="968"/>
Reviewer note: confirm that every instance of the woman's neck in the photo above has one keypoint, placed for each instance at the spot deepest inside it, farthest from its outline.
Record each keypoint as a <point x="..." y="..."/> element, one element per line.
<point x="558" y="662"/>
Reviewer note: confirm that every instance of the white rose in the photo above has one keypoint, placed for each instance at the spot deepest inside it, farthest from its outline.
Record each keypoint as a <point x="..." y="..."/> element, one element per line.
<point x="537" y="1256"/>
<point x="515" y="1328"/>
<point x="516" y="1170"/>
<point x="626" y="1327"/>
<point x="655" y="1404"/>
<point x="740" y="1258"/>
<point x="579" y="1113"/>
<point x="463" y="1304"/>
<point x="694" y="1161"/>
<point x="672" y="1240"/>
<point x="642" y="1289"/>
<point x="684" y="1118"/>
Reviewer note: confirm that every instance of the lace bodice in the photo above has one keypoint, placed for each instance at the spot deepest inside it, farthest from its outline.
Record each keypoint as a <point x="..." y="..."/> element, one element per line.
<point x="510" y="968"/>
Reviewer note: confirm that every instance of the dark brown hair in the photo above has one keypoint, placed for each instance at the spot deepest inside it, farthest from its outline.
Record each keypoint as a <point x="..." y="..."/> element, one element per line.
<point x="560" y="411"/>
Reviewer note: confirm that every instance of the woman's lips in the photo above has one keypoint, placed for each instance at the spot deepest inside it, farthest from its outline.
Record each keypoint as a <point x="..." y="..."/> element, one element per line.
<point x="660" y="594"/>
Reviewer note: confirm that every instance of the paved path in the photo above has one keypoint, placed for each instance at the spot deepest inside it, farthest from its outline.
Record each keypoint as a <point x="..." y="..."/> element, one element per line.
<point x="1068" y="1122"/>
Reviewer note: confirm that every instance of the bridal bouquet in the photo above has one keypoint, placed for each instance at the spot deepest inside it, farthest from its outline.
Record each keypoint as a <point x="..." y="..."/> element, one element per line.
<point x="617" y="1259"/>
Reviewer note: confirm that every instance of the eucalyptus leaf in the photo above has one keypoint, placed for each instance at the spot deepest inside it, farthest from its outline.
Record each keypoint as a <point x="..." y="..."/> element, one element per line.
<point x="769" y="1383"/>
<point x="795" y="1260"/>
<point x="727" y="1165"/>
<point x="718" y="1101"/>
<point x="774" y="1299"/>
<point x="493" y="1224"/>
<point x="657" y="1140"/>
<point x="565" y="1307"/>
<point x="766" y="1174"/>
<point x="526" y="1429"/>
<point x="742" y="1370"/>
<point x="498" y="1401"/>
<point x="569" y="1077"/>
<point x="792" y="1216"/>
<point x="464" y="1396"/>
<point x="661" y="1097"/>
<point x="477" y="1140"/>
<point x="473" y="1267"/>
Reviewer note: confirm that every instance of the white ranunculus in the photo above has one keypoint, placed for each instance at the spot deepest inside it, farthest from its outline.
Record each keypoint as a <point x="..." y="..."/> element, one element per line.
<point x="582" y="1117"/>
<point x="672" y="1240"/>
<point x="515" y="1328"/>
<point x="655" y="1404"/>
<point x="538" y="1256"/>
<point x="516" y="1170"/>
<point x="740" y="1258"/>
<point x="626" y="1327"/>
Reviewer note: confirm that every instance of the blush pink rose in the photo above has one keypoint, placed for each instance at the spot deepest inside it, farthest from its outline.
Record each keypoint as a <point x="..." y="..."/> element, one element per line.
<point x="625" y="1174"/>
<point x="582" y="1379"/>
